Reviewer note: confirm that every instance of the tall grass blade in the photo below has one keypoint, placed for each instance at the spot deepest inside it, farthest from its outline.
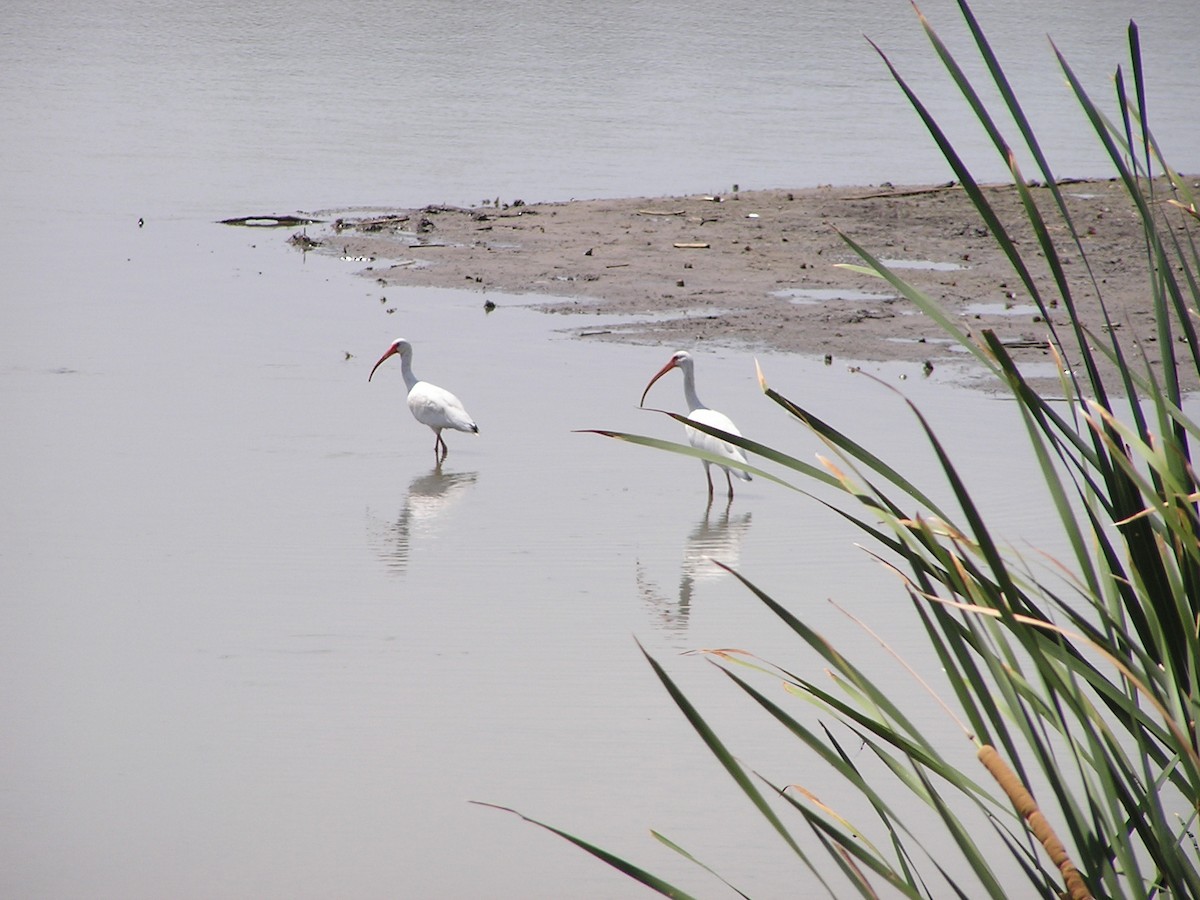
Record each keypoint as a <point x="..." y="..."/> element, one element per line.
<point x="637" y="874"/>
<point x="1078" y="677"/>
<point x="725" y="758"/>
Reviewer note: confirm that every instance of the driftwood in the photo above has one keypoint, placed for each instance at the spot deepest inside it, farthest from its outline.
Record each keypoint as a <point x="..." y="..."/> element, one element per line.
<point x="303" y="241"/>
<point x="909" y="192"/>
<point x="955" y="186"/>
<point x="270" y="221"/>
<point x="378" y="223"/>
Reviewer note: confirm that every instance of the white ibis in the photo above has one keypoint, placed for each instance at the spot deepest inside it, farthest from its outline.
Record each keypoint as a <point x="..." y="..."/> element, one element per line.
<point x="698" y="412"/>
<point x="429" y="404"/>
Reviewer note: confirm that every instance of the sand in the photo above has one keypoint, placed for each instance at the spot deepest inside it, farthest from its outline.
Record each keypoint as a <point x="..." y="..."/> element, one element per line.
<point x="763" y="268"/>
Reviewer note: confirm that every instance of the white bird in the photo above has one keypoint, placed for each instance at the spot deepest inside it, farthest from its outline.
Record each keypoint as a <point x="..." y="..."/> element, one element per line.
<point x="429" y="404"/>
<point x="698" y="412"/>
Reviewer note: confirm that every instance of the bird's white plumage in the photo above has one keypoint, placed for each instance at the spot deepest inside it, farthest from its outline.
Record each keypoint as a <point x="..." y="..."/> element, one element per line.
<point x="700" y="413"/>
<point x="703" y="441"/>
<point x="438" y="408"/>
<point x="430" y="405"/>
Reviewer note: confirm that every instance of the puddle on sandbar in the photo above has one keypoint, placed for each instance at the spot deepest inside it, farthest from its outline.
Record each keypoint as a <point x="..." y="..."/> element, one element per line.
<point x="821" y="295"/>
<point x="926" y="264"/>
<point x="614" y="322"/>
<point x="939" y="344"/>
<point x="1001" y="309"/>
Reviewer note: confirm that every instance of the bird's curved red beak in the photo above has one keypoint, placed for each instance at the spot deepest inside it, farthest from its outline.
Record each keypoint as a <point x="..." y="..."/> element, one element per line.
<point x="390" y="351"/>
<point x="663" y="371"/>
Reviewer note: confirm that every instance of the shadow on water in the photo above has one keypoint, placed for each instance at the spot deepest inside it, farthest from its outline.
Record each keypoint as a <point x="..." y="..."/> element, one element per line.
<point x="429" y="498"/>
<point x="715" y="537"/>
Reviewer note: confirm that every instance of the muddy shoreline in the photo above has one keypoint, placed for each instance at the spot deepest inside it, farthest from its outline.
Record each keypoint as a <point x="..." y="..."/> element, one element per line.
<point x="763" y="268"/>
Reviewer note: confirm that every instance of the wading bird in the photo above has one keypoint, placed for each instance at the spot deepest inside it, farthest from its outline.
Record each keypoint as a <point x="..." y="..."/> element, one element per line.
<point x="429" y="404"/>
<point x="698" y="412"/>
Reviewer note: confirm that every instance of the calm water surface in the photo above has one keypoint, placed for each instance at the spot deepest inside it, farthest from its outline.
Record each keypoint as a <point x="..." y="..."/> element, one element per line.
<point x="217" y="107"/>
<point x="252" y="642"/>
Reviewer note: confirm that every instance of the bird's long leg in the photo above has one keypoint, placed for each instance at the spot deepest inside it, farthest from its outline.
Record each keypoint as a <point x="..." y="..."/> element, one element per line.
<point x="708" y="475"/>
<point x="729" y="481"/>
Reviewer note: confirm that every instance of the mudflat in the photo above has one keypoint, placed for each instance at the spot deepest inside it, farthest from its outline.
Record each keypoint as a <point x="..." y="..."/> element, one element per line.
<point x="766" y="268"/>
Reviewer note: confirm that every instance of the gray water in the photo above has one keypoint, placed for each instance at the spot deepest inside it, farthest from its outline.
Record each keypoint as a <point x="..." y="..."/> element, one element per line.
<point x="252" y="642"/>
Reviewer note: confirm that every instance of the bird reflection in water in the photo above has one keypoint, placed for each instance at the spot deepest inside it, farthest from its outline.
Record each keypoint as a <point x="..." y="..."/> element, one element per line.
<point x="717" y="536"/>
<point x="429" y="498"/>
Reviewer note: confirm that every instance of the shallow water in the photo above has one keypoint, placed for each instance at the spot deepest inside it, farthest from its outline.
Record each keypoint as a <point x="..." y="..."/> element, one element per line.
<point x="253" y="630"/>
<point x="252" y="641"/>
<point x="824" y="295"/>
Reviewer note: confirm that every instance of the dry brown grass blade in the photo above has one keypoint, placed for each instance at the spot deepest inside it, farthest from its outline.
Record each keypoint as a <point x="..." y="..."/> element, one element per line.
<point x="1189" y="209"/>
<point x="913" y="673"/>
<point x="1183" y="743"/>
